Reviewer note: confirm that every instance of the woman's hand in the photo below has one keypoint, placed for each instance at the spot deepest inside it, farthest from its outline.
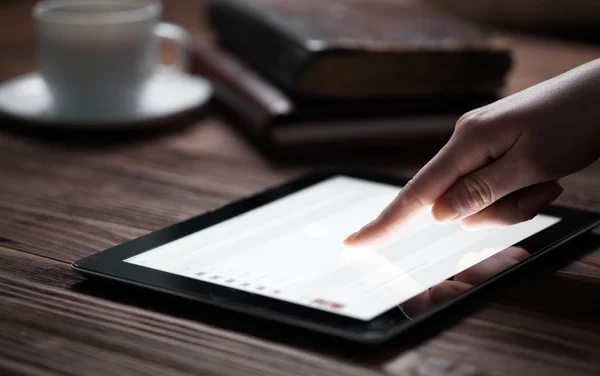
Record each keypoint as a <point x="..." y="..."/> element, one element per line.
<point x="503" y="161"/>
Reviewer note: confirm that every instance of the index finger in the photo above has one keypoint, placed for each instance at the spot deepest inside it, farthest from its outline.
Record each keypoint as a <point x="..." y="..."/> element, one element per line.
<point x="457" y="158"/>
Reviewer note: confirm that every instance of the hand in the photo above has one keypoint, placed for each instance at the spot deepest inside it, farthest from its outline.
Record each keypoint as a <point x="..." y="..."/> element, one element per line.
<point x="503" y="161"/>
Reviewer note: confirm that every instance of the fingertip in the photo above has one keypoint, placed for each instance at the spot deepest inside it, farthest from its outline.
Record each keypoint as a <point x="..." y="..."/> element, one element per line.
<point x="358" y="239"/>
<point x="348" y="242"/>
<point x="370" y="234"/>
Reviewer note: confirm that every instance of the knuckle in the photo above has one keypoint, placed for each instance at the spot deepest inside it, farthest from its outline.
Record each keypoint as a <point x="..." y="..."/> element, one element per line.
<point x="473" y="128"/>
<point x="477" y="194"/>
<point x="413" y="199"/>
<point x="408" y="196"/>
<point x="470" y="121"/>
<point x="409" y="185"/>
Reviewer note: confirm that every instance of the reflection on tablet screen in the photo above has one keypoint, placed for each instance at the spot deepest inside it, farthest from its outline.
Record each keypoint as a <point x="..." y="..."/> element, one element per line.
<point x="291" y="250"/>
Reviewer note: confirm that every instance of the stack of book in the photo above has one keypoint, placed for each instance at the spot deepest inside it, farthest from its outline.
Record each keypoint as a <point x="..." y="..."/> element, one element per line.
<point x="346" y="76"/>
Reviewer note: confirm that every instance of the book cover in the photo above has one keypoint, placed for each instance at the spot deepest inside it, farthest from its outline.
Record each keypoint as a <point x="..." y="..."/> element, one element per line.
<point x="281" y="126"/>
<point x="361" y="48"/>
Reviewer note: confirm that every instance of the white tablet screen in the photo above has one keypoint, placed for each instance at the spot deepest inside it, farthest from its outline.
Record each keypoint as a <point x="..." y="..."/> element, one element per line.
<point x="291" y="250"/>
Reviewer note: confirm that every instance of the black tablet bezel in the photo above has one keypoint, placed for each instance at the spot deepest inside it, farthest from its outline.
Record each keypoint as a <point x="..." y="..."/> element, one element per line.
<point x="110" y="264"/>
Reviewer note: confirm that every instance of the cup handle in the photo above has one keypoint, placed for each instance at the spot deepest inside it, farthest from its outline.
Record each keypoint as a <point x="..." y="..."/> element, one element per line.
<point x="180" y="37"/>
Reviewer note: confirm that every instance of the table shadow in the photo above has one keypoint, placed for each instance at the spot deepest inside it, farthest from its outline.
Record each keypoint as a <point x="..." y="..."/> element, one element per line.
<point x="367" y="355"/>
<point x="98" y="137"/>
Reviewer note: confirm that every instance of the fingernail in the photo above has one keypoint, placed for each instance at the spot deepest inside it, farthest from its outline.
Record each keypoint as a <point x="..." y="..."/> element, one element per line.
<point x="348" y="240"/>
<point x="446" y="210"/>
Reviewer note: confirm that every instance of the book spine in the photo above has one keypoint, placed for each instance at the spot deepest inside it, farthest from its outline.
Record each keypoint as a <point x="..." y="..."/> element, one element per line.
<point x="262" y="40"/>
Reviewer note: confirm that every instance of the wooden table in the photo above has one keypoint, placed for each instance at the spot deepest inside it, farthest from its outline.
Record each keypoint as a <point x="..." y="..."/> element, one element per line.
<point x="64" y="197"/>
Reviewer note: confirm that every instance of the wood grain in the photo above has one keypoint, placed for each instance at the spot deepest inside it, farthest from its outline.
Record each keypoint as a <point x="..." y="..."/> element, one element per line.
<point x="65" y="195"/>
<point x="87" y="332"/>
<point x="505" y="334"/>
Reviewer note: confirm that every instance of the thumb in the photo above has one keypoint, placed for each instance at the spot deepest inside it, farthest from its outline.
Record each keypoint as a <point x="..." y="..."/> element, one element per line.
<point x="516" y="207"/>
<point x="481" y="188"/>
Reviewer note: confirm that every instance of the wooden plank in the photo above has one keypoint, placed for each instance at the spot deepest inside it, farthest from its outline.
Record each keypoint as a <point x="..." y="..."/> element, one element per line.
<point x="515" y="328"/>
<point x="32" y="268"/>
<point x="83" y="201"/>
<point x="67" y="332"/>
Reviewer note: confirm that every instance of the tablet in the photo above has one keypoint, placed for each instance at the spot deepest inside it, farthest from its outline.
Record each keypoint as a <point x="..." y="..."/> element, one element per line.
<point x="279" y="255"/>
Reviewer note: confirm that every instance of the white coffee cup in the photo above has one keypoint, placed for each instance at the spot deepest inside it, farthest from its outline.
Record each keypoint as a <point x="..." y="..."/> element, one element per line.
<point x="98" y="55"/>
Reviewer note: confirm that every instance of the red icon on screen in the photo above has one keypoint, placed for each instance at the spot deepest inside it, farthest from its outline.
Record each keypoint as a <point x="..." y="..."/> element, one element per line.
<point x="328" y="303"/>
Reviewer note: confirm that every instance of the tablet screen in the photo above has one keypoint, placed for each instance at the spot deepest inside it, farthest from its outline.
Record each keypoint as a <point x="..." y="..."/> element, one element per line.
<point x="291" y="249"/>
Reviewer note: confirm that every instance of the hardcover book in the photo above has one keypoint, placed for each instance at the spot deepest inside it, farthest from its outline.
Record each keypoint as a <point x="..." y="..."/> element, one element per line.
<point x="284" y="127"/>
<point x="356" y="49"/>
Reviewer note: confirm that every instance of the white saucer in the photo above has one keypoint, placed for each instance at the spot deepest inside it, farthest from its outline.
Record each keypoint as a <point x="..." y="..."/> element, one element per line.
<point x="168" y="93"/>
